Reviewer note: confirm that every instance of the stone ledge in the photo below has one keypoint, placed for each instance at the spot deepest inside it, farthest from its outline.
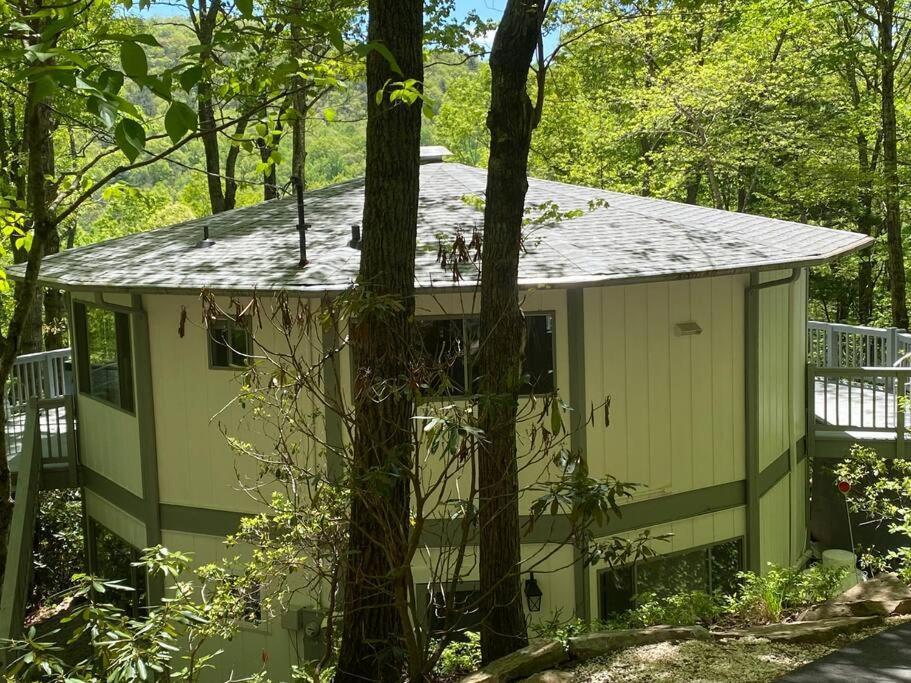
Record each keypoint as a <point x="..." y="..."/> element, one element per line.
<point x="593" y="645"/>
<point x="802" y="631"/>
<point x="538" y="656"/>
<point x="883" y="596"/>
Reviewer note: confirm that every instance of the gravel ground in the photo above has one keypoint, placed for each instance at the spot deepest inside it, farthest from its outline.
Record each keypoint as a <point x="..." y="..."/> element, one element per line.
<point x="742" y="660"/>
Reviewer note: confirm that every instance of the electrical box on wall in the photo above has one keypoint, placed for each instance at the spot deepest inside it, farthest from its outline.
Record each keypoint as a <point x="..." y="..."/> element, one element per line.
<point x="309" y="622"/>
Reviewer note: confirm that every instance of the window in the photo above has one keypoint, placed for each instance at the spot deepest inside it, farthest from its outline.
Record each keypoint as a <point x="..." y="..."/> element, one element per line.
<point x="711" y="569"/>
<point x="250" y="598"/>
<point x="450" y="347"/>
<point x="113" y="561"/>
<point x="230" y="343"/>
<point x="105" y="354"/>
<point x="464" y="614"/>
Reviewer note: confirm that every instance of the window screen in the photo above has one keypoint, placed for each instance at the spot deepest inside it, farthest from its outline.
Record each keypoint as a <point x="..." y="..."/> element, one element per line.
<point x="105" y="354"/>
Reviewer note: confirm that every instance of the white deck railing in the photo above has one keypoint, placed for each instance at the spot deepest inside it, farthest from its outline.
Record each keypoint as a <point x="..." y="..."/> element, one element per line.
<point x="833" y="345"/>
<point x="43" y="380"/>
<point x="42" y="375"/>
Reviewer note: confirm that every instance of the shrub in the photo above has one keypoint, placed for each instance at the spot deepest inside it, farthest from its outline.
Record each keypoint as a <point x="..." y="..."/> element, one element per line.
<point x="766" y="598"/>
<point x="881" y="492"/>
<point x="460" y="657"/>
<point x="681" y="609"/>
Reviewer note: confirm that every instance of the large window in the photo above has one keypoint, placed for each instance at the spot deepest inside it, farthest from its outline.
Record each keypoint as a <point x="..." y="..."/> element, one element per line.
<point x="113" y="560"/>
<point x="710" y="569"/>
<point x="105" y="356"/>
<point x="230" y="343"/>
<point x="450" y="347"/>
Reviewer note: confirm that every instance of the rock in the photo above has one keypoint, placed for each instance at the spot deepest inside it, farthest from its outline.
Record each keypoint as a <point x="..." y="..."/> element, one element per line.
<point x="597" y="644"/>
<point x="552" y="676"/>
<point x="538" y="656"/>
<point x="802" y="631"/>
<point x="885" y="595"/>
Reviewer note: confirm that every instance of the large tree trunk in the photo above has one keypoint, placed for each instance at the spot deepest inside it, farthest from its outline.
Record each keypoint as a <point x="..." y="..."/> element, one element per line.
<point x="891" y="188"/>
<point x="206" y="111"/>
<point x="867" y="225"/>
<point x="511" y="120"/>
<point x="205" y="107"/>
<point x="39" y="146"/>
<point x="298" y="103"/>
<point x="381" y="339"/>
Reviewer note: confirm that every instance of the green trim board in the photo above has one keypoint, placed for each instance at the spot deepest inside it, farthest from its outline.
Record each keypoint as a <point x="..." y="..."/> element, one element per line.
<point x="774" y="473"/>
<point x="113" y="493"/>
<point x="148" y="454"/>
<point x="751" y="409"/>
<point x="575" y="321"/>
<point x="549" y="529"/>
<point x="204" y="521"/>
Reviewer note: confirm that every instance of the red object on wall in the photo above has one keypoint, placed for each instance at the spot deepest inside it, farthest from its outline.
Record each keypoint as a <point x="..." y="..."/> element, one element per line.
<point x="844" y="486"/>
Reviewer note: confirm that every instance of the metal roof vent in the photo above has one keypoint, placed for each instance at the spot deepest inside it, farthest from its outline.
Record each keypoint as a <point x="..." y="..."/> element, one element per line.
<point x="355" y="242"/>
<point x="205" y="241"/>
<point x="434" y="154"/>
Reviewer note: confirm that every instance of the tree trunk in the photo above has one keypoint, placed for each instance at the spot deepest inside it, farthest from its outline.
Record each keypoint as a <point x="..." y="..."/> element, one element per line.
<point x="39" y="148"/>
<point x="511" y="120"/>
<point x="209" y="138"/>
<point x="372" y="647"/>
<point x="54" y="307"/>
<point x="891" y="188"/>
<point x="298" y="103"/>
<point x="205" y="108"/>
<point x="867" y="225"/>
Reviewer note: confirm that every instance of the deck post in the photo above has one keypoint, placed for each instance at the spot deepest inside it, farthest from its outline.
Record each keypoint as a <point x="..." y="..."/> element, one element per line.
<point x="899" y="418"/>
<point x="831" y="343"/>
<point x="17" y="576"/>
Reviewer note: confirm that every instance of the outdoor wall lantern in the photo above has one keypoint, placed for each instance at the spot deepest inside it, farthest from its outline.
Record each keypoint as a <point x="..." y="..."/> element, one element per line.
<point x="533" y="593"/>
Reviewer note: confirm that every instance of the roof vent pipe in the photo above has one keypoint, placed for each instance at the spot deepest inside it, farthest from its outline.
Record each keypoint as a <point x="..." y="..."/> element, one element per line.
<point x="205" y="241"/>
<point x="302" y="225"/>
<point x="355" y="242"/>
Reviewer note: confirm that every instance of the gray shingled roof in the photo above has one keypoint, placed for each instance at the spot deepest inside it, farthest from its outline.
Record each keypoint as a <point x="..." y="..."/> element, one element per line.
<point x="632" y="239"/>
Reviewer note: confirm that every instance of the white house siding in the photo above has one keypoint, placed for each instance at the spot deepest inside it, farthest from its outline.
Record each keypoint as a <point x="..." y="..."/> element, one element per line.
<point x="775" y="524"/>
<point x="110" y="446"/>
<point x="677" y="407"/>
<point x="193" y="415"/>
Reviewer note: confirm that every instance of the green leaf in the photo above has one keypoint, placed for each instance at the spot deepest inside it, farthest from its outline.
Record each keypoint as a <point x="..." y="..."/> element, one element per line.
<point x="329" y="114"/>
<point x="190" y="77"/>
<point x="178" y="120"/>
<point x="110" y="81"/>
<point x="245" y="7"/>
<point x="130" y="137"/>
<point x="133" y="60"/>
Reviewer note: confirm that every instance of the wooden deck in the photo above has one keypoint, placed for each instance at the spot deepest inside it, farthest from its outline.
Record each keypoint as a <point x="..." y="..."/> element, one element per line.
<point x="858" y="405"/>
<point x="41" y="385"/>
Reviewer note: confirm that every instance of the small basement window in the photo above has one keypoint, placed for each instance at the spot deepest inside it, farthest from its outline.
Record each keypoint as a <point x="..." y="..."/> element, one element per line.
<point x="711" y="569"/>
<point x="104" y="354"/>
<point x="230" y="343"/>
<point x="450" y="347"/>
